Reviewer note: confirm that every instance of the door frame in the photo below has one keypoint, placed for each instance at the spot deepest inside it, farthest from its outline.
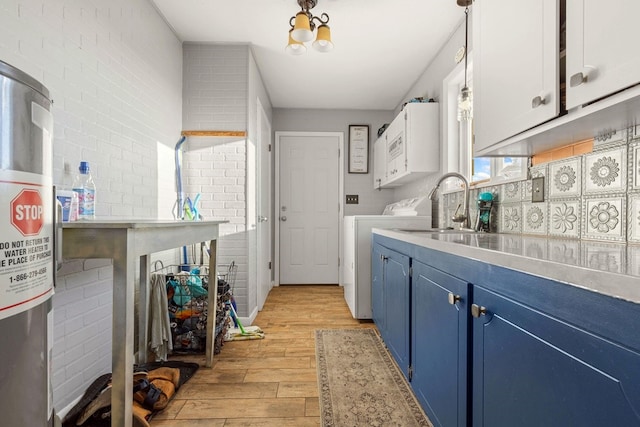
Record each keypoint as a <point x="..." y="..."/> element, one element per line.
<point x="263" y="161"/>
<point x="340" y="201"/>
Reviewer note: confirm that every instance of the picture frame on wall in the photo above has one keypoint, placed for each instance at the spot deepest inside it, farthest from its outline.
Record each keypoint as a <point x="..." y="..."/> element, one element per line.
<point x="358" y="148"/>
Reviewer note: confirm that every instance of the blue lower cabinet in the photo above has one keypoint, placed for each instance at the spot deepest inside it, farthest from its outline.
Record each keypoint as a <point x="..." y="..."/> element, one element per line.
<point x="378" y="312"/>
<point x="396" y="284"/>
<point x="390" y="301"/>
<point x="532" y="369"/>
<point x="439" y="306"/>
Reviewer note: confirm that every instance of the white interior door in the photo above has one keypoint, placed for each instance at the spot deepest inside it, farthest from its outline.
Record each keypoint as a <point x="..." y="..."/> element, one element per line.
<point x="308" y="207"/>
<point x="264" y="206"/>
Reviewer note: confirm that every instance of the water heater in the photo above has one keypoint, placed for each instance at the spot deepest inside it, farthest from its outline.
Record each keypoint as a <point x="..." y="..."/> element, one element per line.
<point x="26" y="250"/>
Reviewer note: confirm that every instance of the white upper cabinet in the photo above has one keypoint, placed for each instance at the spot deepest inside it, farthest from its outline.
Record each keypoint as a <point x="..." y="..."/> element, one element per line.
<point x="602" y="57"/>
<point x="409" y="148"/>
<point x="516" y="66"/>
<point x="379" y="162"/>
<point x="396" y="147"/>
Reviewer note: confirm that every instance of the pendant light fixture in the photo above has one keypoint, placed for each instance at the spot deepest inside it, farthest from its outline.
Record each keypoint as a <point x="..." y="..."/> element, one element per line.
<point x="465" y="99"/>
<point x="302" y="27"/>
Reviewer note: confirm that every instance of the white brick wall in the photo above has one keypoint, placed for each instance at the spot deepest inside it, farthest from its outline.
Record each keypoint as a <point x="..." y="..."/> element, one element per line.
<point x="114" y="71"/>
<point x="216" y="168"/>
<point x="215" y="98"/>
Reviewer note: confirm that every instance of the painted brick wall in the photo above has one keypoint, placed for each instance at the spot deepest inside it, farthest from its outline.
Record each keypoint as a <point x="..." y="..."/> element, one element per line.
<point x="215" y="98"/>
<point x="114" y="71"/>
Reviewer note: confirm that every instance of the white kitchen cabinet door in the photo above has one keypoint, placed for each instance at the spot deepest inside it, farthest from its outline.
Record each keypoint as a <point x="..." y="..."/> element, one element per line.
<point x="379" y="162"/>
<point x="602" y="44"/>
<point x="515" y="68"/>
<point x="396" y="147"/>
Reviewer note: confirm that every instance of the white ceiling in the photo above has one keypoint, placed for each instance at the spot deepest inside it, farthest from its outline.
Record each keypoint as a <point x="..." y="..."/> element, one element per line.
<point x="381" y="46"/>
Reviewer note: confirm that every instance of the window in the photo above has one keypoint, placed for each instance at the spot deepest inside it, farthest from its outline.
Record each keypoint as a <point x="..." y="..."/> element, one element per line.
<point x="458" y="132"/>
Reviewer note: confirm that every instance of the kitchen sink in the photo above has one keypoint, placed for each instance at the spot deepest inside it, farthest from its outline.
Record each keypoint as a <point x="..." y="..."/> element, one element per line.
<point x="447" y="230"/>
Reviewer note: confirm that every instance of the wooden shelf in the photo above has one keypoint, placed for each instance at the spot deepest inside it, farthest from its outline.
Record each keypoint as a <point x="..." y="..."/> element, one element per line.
<point x="216" y="133"/>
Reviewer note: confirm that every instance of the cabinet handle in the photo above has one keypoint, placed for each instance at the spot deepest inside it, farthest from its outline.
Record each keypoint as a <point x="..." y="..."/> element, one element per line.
<point x="478" y="310"/>
<point x="383" y="258"/>
<point x="453" y="298"/>
<point x="577" y="79"/>
<point x="538" y="101"/>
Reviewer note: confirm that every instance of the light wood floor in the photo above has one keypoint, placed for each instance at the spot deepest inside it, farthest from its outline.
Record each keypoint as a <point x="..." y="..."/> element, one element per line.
<point x="269" y="382"/>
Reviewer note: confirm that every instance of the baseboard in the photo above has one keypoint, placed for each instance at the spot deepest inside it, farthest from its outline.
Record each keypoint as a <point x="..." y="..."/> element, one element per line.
<point x="249" y="320"/>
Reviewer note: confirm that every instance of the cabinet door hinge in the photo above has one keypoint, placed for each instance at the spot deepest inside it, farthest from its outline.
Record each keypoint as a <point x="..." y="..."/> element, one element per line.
<point x="410" y="372"/>
<point x="269" y="148"/>
<point x="338" y="261"/>
<point x="269" y="265"/>
<point x="410" y="271"/>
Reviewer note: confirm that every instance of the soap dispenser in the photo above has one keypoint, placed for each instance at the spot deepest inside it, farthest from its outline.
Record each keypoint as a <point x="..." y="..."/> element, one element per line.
<point x="485" y="204"/>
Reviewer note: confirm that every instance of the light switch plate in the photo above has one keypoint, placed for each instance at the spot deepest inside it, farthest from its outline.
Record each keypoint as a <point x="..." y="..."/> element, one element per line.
<point x="352" y="199"/>
<point x="537" y="189"/>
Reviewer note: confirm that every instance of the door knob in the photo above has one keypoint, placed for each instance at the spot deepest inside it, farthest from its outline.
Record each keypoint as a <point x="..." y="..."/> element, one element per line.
<point x="538" y="101"/>
<point x="262" y="218"/>
<point x="283" y="218"/>
<point x="577" y="79"/>
<point x="453" y="298"/>
<point x="478" y="310"/>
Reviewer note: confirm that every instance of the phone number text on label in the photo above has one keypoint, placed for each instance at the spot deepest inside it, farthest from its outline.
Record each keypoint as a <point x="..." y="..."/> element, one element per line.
<point x="29" y="275"/>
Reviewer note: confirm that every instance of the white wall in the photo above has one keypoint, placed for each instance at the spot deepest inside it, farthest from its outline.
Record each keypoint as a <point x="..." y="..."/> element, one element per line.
<point x="114" y="71"/>
<point x="430" y="85"/>
<point x="371" y="201"/>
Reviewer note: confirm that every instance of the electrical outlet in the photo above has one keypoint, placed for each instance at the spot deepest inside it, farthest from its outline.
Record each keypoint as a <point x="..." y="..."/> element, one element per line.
<point x="352" y="199"/>
<point x="537" y="189"/>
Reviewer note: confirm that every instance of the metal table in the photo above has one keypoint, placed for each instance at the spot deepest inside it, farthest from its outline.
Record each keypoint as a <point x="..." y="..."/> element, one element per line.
<point x="128" y="242"/>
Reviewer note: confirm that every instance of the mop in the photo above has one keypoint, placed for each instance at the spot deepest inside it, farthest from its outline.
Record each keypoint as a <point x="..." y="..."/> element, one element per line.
<point x="242" y="333"/>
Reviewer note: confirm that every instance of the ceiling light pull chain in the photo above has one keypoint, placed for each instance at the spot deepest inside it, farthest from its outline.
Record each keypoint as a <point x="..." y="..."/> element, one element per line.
<point x="466" y="40"/>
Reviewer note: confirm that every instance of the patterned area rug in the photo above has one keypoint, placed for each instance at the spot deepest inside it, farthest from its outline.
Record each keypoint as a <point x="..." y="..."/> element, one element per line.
<point x="360" y="384"/>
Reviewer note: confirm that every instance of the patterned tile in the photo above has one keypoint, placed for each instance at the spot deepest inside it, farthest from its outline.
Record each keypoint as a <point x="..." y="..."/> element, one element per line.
<point x="607" y="257"/>
<point x="605" y="171"/>
<point x="565" y="251"/>
<point x="510" y="218"/>
<point x="534" y="219"/>
<point x="538" y="170"/>
<point x="564" y="218"/>
<point x="609" y="138"/>
<point x="603" y="218"/>
<point x="633" y="218"/>
<point x="565" y="178"/>
<point x="634" y="166"/>
<point x="511" y="192"/>
<point x="527" y="190"/>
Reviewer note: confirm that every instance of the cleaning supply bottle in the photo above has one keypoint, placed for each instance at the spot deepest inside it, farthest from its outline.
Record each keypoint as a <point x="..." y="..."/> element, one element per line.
<point x="485" y="203"/>
<point x="67" y="197"/>
<point x="86" y="189"/>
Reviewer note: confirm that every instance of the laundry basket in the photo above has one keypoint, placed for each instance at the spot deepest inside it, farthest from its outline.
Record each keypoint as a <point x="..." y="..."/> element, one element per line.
<point x="188" y="303"/>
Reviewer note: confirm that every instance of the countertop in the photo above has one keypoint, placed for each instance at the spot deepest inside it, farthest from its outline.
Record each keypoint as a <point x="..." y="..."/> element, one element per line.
<point x="608" y="268"/>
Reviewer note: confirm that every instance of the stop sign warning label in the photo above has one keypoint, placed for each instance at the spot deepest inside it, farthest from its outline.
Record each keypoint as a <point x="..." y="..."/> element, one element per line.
<point x="27" y="212"/>
<point x="26" y="241"/>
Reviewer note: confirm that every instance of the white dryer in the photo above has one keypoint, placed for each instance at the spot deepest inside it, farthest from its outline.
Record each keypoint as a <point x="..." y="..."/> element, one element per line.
<point x="414" y="214"/>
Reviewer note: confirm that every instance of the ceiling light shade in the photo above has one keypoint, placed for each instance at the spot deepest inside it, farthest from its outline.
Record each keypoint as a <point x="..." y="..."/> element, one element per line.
<point x="465" y="104"/>
<point x="302" y="28"/>
<point x="295" y="47"/>
<point x="323" y="41"/>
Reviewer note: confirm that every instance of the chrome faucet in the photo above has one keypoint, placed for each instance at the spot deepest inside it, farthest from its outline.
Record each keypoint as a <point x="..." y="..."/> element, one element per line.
<point x="462" y="218"/>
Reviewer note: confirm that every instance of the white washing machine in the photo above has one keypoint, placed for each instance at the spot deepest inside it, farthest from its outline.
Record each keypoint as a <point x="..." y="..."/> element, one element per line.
<point x="414" y="214"/>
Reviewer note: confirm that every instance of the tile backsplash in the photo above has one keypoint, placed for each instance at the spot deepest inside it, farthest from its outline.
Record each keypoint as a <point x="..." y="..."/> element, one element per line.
<point x="594" y="196"/>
